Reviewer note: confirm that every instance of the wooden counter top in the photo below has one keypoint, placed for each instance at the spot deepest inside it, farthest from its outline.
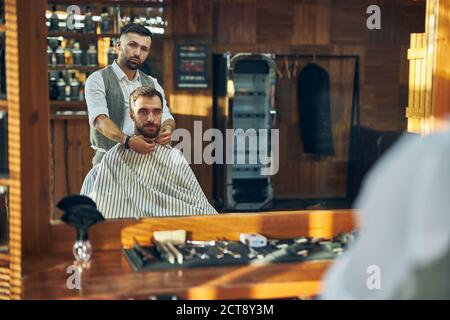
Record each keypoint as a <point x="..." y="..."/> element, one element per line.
<point x="110" y="277"/>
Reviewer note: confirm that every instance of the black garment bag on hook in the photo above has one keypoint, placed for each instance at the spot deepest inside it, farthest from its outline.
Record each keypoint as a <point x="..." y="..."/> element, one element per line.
<point x="313" y="101"/>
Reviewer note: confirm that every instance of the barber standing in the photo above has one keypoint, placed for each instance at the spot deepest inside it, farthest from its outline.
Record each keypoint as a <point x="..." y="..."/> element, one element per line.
<point x="107" y="94"/>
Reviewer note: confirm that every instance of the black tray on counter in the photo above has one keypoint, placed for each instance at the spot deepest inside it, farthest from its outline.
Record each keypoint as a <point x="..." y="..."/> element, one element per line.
<point x="278" y="251"/>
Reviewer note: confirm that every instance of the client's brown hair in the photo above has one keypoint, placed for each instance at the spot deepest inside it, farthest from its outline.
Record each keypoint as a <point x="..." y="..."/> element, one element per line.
<point x="144" y="92"/>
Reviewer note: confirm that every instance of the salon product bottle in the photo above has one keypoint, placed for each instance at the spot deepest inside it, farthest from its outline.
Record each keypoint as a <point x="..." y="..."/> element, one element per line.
<point x="81" y="94"/>
<point x="105" y="21"/>
<point x="116" y="20"/>
<point x="61" y="85"/>
<point x="67" y="91"/>
<point x="68" y="56"/>
<point x="111" y="52"/>
<point x="92" y="56"/>
<point x="53" y="86"/>
<point x="60" y="58"/>
<point x="49" y="55"/>
<point x="76" y="54"/>
<point x="89" y="24"/>
<point x="54" y="20"/>
<point x="74" y="88"/>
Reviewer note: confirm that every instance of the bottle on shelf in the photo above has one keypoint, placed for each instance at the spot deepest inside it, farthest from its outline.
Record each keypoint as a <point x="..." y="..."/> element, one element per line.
<point x="89" y="24"/>
<point x="117" y="25"/>
<point x="74" y="88"/>
<point x="92" y="57"/>
<point x="60" y="57"/>
<point x="61" y="85"/>
<point x="68" y="56"/>
<point x="67" y="91"/>
<point x="54" y="20"/>
<point x="112" y="55"/>
<point x="76" y="54"/>
<point x="53" y="84"/>
<point x="49" y="55"/>
<point x="105" y="22"/>
<point x="81" y="95"/>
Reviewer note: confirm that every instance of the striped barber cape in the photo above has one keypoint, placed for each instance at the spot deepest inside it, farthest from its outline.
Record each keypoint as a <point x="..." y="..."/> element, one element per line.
<point x="127" y="184"/>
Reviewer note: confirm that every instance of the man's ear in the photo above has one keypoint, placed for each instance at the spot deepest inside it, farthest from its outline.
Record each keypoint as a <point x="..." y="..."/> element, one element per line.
<point x="132" y="115"/>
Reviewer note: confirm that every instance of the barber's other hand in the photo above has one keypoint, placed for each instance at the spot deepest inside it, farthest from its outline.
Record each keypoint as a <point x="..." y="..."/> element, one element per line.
<point x="140" y="145"/>
<point x="164" y="137"/>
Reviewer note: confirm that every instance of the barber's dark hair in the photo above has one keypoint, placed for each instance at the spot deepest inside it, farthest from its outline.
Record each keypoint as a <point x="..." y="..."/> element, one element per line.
<point x="144" y="92"/>
<point x="136" y="28"/>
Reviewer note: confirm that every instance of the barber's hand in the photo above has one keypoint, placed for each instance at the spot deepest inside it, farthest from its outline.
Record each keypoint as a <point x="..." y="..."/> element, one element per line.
<point x="165" y="136"/>
<point x="141" y="145"/>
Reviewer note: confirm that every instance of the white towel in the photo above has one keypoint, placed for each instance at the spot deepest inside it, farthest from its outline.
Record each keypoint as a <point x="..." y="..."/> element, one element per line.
<point x="127" y="184"/>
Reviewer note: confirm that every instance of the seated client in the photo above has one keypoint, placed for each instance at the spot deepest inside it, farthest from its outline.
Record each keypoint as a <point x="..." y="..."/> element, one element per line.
<point x="127" y="184"/>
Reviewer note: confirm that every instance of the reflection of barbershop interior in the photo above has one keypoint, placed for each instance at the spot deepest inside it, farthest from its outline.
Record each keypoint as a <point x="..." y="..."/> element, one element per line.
<point x="215" y="149"/>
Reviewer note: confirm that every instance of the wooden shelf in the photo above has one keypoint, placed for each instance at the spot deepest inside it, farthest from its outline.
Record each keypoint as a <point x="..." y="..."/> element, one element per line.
<point x="79" y="68"/>
<point x="68" y="117"/>
<point x="131" y="3"/>
<point x="56" y="105"/>
<point x="4" y="182"/>
<point x="75" y="35"/>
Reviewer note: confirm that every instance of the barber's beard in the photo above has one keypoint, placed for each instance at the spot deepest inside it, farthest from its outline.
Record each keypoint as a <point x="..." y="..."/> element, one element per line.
<point x="132" y="66"/>
<point x="141" y="130"/>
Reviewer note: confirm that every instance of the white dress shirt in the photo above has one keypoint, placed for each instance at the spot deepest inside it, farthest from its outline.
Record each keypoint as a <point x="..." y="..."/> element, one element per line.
<point x="96" y="100"/>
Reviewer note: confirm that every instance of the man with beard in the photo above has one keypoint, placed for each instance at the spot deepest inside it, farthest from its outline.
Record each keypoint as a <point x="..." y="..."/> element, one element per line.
<point x="107" y="92"/>
<point x="131" y="184"/>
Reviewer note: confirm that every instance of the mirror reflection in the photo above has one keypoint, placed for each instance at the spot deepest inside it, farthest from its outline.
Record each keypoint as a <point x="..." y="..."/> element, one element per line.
<point x="150" y="126"/>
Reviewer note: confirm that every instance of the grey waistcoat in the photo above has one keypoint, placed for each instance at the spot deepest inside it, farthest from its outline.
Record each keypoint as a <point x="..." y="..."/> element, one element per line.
<point x="116" y="109"/>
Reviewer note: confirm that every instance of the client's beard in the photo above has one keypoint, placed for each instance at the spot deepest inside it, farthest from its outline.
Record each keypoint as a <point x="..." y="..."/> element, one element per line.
<point x="141" y="131"/>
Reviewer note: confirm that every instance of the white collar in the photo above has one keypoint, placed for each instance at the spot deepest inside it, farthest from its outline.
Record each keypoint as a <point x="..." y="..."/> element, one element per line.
<point x="120" y="74"/>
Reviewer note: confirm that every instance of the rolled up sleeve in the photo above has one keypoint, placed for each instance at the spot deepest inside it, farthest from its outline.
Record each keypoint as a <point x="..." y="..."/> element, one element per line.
<point x="95" y="97"/>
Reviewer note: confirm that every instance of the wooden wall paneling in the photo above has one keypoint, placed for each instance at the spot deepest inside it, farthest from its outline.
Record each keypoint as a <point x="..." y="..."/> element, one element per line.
<point x="284" y="102"/>
<point x="441" y="81"/>
<point x="196" y="17"/>
<point x="309" y="177"/>
<point x="35" y="126"/>
<point x="188" y="107"/>
<point x="348" y="21"/>
<point x="60" y="183"/>
<point x="72" y="157"/>
<point x="412" y="17"/>
<point x="311" y="24"/>
<point x="352" y="50"/>
<point x="274" y="21"/>
<point x="236" y="22"/>
<point x="28" y="134"/>
<point x="391" y="26"/>
<point x="202" y="171"/>
<point x="404" y="67"/>
<point x="381" y="108"/>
